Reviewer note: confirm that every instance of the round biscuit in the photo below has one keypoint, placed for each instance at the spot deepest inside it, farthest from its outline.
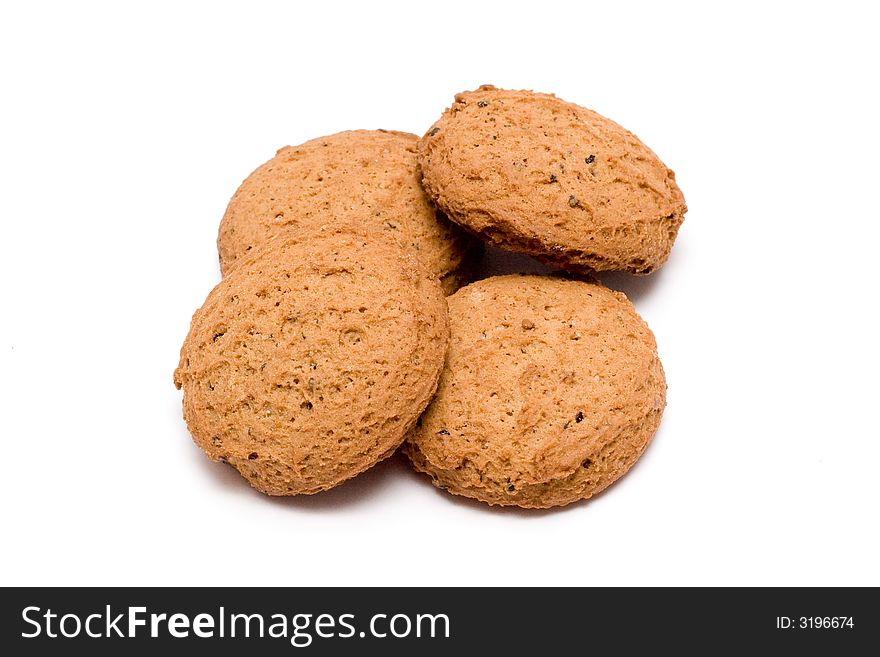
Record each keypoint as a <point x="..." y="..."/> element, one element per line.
<point x="551" y="390"/>
<point x="358" y="178"/>
<point x="534" y="174"/>
<point x="312" y="358"/>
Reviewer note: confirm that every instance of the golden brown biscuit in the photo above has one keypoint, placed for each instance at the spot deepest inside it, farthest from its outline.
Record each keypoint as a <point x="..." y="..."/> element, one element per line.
<point x="535" y="174"/>
<point x="312" y="358"/>
<point x="551" y="390"/>
<point x="356" y="178"/>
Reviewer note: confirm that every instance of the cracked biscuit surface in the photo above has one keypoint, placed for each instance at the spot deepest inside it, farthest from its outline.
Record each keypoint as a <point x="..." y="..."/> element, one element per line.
<point x="534" y="174"/>
<point x="312" y="358"/>
<point x="551" y="390"/>
<point x="350" y="179"/>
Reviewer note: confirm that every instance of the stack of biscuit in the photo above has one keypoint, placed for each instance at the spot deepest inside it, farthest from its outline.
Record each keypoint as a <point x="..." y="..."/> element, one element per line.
<point x="347" y="324"/>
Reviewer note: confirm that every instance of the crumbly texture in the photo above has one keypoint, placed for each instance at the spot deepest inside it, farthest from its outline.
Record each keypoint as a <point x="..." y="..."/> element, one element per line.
<point x="534" y="174"/>
<point x="551" y="390"/>
<point x="356" y="178"/>
<point x="312" y="358"/>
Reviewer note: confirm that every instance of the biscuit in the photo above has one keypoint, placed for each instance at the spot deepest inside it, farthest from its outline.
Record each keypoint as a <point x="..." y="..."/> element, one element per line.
<point x="551" y="390"/>
<point x="361" y="177"/>
<point x="534" y="174"/>
<point x="312" y="358"/>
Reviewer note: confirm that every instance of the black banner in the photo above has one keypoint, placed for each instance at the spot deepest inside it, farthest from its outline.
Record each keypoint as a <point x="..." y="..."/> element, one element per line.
<point x="111" y="621"/>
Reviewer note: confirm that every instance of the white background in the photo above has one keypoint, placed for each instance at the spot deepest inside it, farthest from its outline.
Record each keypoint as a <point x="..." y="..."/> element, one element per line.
<point x="125" y="131"/>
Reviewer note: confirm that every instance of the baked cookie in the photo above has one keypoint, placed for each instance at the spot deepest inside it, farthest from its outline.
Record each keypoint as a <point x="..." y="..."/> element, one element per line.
<point x="356" y="178"/>
<point x="534" y="174"/>
<point x="551" y="390"/>
<point x="312" y="358"/>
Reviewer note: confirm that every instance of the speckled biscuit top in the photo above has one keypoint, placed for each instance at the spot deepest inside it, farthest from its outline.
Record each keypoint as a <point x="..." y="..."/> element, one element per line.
<point x="356" y="178"/>
<point x="551" y="390"/>
<point x="312" y="358"/>
<point x="535" y="174"/>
